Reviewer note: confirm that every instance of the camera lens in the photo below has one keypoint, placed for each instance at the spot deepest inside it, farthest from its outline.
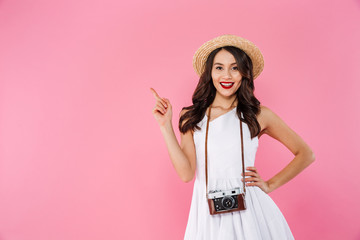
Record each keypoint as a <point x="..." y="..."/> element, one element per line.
<point x="228" y="202"/>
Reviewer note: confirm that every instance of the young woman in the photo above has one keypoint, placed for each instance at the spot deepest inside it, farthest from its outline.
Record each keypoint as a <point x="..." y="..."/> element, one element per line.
<point x="227" y="66"/>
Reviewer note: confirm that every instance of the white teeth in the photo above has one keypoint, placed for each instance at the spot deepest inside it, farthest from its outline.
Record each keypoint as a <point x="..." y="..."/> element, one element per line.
<point x="227" y="84"/>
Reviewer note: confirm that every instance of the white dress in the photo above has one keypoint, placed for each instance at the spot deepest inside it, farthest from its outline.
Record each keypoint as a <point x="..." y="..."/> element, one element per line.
<point x="262" y="219"/>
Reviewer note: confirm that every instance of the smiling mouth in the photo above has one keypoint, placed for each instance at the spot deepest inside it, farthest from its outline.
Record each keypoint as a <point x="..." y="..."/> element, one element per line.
<point x="226" y="85"/>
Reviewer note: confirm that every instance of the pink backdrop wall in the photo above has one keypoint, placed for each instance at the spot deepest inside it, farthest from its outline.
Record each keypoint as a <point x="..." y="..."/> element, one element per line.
<point x="81" y="154"/>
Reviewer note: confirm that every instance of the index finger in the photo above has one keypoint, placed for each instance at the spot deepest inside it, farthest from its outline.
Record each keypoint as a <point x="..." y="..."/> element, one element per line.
<point x="155" y="94"/>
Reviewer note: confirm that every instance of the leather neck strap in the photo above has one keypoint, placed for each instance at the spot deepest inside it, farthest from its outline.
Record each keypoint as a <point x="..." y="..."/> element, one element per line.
<point x="242" y="152"/>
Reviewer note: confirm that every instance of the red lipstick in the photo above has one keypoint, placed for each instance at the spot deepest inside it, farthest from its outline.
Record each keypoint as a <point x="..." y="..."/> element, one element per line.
<point x="227" y="85"/>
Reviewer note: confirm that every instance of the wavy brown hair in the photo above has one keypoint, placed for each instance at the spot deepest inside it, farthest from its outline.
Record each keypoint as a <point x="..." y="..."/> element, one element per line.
<point x="205" y="91"/>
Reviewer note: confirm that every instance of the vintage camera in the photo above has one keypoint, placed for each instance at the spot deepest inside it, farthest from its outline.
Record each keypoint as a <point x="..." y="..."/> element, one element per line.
<point x="226" y="201"/>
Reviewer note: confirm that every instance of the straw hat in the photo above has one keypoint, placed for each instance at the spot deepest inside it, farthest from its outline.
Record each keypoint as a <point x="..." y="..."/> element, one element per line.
<point x="248" y="47"/>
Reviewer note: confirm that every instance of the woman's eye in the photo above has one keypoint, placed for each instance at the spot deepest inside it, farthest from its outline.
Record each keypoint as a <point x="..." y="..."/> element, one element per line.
<point x="236" y="68"/>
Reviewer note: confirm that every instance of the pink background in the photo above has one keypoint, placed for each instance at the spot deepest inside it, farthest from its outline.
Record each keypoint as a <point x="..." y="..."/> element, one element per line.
<point x="82" y="157"/>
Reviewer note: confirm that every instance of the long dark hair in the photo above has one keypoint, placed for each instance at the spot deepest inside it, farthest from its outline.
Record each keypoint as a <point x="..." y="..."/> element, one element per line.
<point x="205" y="91"/>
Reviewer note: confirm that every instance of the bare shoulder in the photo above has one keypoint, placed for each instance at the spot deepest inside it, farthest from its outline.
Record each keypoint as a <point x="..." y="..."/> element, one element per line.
<point x="272" y="125"/>
<point x="267" y="118"/>
<point x="263" y="118"/>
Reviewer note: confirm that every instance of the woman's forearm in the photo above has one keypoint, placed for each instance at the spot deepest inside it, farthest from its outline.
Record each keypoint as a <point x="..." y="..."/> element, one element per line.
<point x="177" y="156"/>
<point x="298" y="164"/>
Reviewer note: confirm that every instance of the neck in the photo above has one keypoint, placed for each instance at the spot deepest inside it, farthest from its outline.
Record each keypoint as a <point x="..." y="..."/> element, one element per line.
<point x="224" y="102"/>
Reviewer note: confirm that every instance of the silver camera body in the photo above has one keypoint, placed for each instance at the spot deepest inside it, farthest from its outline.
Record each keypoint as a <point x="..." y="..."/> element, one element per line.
<point x="225" y="200"/>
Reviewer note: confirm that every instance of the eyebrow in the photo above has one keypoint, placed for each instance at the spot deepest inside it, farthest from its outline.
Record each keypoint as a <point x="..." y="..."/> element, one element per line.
<point x="223" y="64"/>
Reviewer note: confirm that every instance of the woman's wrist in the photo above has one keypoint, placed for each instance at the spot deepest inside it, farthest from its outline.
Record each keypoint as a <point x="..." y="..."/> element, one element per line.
<point x="167" y="127"/>
<point x="271" y="186"/>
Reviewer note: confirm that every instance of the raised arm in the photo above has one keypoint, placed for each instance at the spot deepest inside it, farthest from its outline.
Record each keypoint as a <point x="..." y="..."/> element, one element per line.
<point x="182" y="156"/>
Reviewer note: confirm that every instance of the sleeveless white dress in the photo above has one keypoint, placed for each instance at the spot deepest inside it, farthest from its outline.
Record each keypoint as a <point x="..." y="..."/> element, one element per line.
<point x="262" y="219"/>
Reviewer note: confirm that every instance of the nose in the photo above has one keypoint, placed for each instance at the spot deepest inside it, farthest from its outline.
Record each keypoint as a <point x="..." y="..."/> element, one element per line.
<point x="227" y="74"/>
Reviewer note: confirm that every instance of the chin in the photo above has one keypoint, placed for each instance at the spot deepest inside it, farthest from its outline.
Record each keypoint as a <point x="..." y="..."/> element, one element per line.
<point x="227" y="94"/>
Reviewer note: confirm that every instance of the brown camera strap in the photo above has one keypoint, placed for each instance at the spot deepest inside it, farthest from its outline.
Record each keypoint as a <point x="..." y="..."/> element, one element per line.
<point x="242" y="152"/>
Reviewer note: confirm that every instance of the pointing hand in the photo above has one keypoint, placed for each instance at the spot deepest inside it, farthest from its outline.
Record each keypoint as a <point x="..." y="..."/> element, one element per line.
<point x="162" y="110"/>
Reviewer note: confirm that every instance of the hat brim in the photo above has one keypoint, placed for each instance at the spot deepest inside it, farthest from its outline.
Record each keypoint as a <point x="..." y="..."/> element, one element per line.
<point x="201" y="55"/>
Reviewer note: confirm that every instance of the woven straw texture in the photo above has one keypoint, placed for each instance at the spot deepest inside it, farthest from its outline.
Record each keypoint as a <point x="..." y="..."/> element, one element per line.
<point x="248" y="47"/>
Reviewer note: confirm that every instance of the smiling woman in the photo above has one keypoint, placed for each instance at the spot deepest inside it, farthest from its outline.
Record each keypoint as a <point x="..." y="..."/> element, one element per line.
<point x="225" y="72"/>
<point x="224" y="105"/>
<point x="226" y="78"/>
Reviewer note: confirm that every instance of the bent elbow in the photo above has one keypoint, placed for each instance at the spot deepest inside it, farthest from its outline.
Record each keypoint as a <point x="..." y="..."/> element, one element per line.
<point x="310" y="157"/>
